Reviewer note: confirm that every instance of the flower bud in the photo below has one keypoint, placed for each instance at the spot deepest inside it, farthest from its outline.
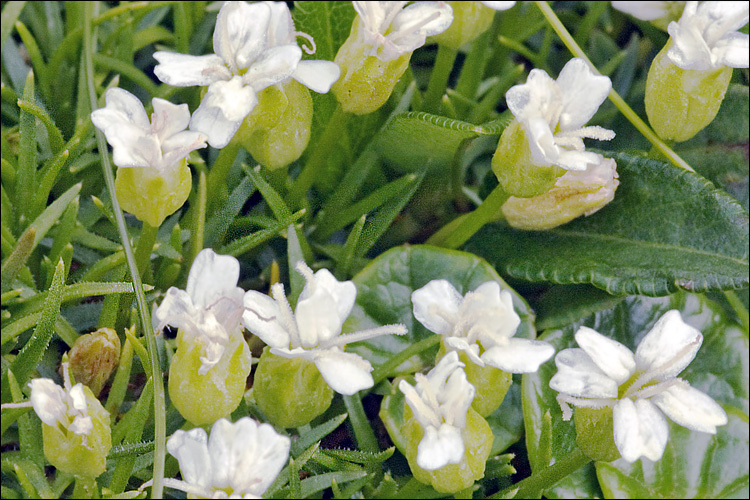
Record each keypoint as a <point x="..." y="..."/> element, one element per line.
<point x="477" y="437"/>
<point x="595" y="433"/>
<point x="470" y="19"/>
<point x="204" y="398"/>
<point x="681" y="102"/>
<point x="574" y="194"/>
<point x="515" y="169"/>
<point x="94" y="357"/>
<point x="277" y="131"/>
<point x="290" y="391"/>
<point x="153" y="195"/>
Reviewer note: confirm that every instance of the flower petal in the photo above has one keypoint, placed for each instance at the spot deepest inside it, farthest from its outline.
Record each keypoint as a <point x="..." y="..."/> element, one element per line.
<point x="323" y="306"/>
<point x="440" y="447"/>
<point x="645" y="11"/>
<point x="274" y="66"/>
<point x="640" y="430"/>
<point x="346" y="372"/>
<point x="168" y="119"/>
<point x="222" y="110"/>
<point x="613" y="358"/>
<point x="582" y="93"/>
<point x="412" y="25"/>
<point x="691" y="408"/>
<point x="212" y="277"/>
<point x="499" y="5"/>
<point x="262" y="318"/>
<point x="49" y="401"/>
<point x="540" y="96"/>
<point x="125" y="124"/>
<point x="436" y="306"/>
<point x="177" y="310"/>
<point x="317" y="75"/>
<point x="182" y="70"/>
<point x="460" y="344"/>
<point x="191" y="451"/>
<point x="240" y="33"/>
<point x="732" y="50"/>
<point x="577" y="375"/>
<point x="519" y="355"/>
<point x="669" y="347"/>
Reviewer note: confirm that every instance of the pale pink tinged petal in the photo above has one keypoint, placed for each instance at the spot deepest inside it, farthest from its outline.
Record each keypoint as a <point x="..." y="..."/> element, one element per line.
<point x="499" y="5"/>
<point x="346" y="372"/>
<point x="435" y="304"/>
<point x="48" y="400"/>
<point x="613" y="358"/>
<point x="440" y="447"/>
<point x="645" y="11"/>
<point x="519" y="355"/>
<point x="180" y="145"/>
<point x="191" y="451"/>
<point x="240" y="33"/>
<point x="577" y="375"/>
<point x="212" y="276"/>
<point x="460" y="344"/>
<point x="271" y="455"/>
<point x="222" y="110"/>
<point x="691" y="408"/>
<point x="168" y="119"/>
<point x="732" y="50"/>
<point x="177" y="309"/>
<point x="275" y="65"/>
<point x="669" y="347"/>
<point x="182" y="70"/>
<point x="262" y="318"/>
<point x="582" y="93"/>
<point x="640" y="430"/>
<point x="317" y="75"/>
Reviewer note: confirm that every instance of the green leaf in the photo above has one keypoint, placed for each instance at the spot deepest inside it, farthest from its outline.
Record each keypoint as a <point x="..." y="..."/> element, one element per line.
<point x="316" y="434"/>
<point x="416" y="140"/>
<point x="384" y="291"/>
<point x="219" y="221"/>
<point x="11" y="11"/>
<point x="719" y="370"/>
<point x="667" y="229"/>
<point x="360" y="457"/>
<point x="328" y="23"/>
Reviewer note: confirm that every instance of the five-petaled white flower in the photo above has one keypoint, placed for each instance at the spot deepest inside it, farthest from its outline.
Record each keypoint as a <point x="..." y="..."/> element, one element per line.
<point x="604" y="373"/>
<point x="553" y="114"/>
<point x="440" y="402"/>
<point x="64" y="408"/>
<point x="210" y="309"/>
<point x="238" y="460"/>
<point x="483" y="320"/>
<point x="255" y="47"/>
<point x="392" y="30"/>
<point x="313" y="332"/>
<point x="135" y="142"/>
<point x="706" y="36"/>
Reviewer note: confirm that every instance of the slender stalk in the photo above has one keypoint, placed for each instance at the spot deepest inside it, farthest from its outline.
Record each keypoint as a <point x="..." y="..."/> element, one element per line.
<point x="217" y="177"/>
<point x="362" y="428"/>
<point x="618" y="101"/>
<point x="441" y="72"/>
<point x="384" y="370"/>
<point x="160" y="434"/>
<point x="534" y="485"/>
<point x="143" y="249"/>
<point x="739" y="309"/>
<point x="458" y="231"/>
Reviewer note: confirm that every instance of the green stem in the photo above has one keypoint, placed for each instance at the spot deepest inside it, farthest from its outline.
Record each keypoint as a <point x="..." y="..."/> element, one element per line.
<point x="441" y="72"/>
<point x="618" y="101"/>
<point x="217" y="177"/>
<point x="458" y="231"/>
<point x="160" y="430"/>
<point x="534" y="485"/>
<point x="360" y="423"/>
<point x="143" y="250"/>
<point x="198" y="221"/>
<point x="739" y="309"/>
<point x="85" y="487"/>
<point x="384" y="370"/>
<point x="327" y="141"/>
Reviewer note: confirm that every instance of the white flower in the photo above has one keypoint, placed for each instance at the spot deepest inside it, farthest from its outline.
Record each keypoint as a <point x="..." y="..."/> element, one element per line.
<point x="211" y="308"/>
<point x="498" y="5"/>
<point x="239" y="460"/>
<point x="649" y="11"/>
<point x="255" y="47"/>
<point x="314" y="330"/>
<point x="553" y="114"/>
<point x="136" y="142"/>
<point x="63" y="408"/>
<point x="706" y="36"/>
<point x="392" y="30"/>
<point x="604" y="373"/>
<point x="483" y="320"/>
<point x="440" y="402"/>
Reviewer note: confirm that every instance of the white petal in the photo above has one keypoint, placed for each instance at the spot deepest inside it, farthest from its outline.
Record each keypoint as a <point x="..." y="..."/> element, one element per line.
<point x="81" y="425"/>
<point x="182" y="70"/>
<point x="280" y="25"/>
<point x="645" y="11"/>
<point x="577" y="160"/>
<point x="168" y="119"/>
<point x="412" y="25"/>
<point x="262" y="318"/>
<point x="125" y="124"/>
<point x="613" y="358"/>
<point x="691" y="408"/>
<point x="544" y="151"/>
<point x="440" y="447"/>
<point x="222" y="110"/>
<point x="346" y="372"/>
<point x="317" y="75"/>
<point x="669" y="347"/>
<point x="423" y="412"/>
<point x="540" y="96"/>
<point x="460" y="344"/>
<point x="177" y="310"/>
<point x="77" y="398"/>
<point x="582" y="93"/>
<point x="274" y="66"/>
<point x="49" y="401"/>
<point x="435" y="304"/>
<point x="240" y="33"/>
<point x="455" y="398"/>
<point x="212" y="277"/>
<point x="689" y="50"/>
<point x="490" y="314"/>
<point x="732" y="50"/>
<point x="499" y="5"/>
<point x="180" y="145"/>
<point x="271" y="455"/>
<point x="323" y="306"/>
<point x="519" y="355"/>
<point x="640" y="430"/>
<point x="191" y="451"/>
<point x="577" y="375"/>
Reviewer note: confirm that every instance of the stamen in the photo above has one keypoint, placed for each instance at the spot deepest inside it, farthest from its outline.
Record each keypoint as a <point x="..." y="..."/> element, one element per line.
<point x="653" y="390"/>
<point x="341" y="340"/>
<point x="309" y="39"/>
